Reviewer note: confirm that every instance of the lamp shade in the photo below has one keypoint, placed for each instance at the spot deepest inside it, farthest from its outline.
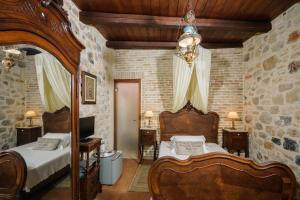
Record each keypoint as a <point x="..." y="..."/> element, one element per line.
<point x="149" y="114"/>
<point x="233" y="115"/>
<point x="30" y="114"/>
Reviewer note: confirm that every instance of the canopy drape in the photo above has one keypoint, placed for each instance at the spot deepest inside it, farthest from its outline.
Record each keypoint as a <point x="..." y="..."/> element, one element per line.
<point x="182" y="73"/>
<point x="54" y="82"/>
<point x="192" y="82"/>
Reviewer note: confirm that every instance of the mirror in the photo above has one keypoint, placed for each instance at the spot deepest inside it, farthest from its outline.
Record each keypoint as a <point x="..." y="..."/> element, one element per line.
<point x="29" y="22"/>
<point x="35" y="118"/>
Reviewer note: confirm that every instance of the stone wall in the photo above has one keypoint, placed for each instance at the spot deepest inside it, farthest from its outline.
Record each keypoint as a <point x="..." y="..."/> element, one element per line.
<point x="12" y="105"/>
<point x="95" y="59"/>
<point x="32" y="93"/>
<point x="272" y="94"/>
<point x="154" y="68"/>
<point x="19" y="94"/>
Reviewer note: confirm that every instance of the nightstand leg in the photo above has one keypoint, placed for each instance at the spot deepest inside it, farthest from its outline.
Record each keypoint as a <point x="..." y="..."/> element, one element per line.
<point x="239" y="152"/>
<point x="247" y="153"/>
<point x="142" y="153"/>
<point x="155" y="147"/>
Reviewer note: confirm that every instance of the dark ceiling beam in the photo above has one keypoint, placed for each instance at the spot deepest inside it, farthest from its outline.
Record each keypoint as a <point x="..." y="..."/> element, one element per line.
<point x="163" y="45"/>
<point x="100" y="18"/>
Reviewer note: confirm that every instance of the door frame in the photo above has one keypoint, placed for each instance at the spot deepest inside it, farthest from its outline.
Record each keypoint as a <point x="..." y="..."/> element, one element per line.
<point x="139" y="109"/>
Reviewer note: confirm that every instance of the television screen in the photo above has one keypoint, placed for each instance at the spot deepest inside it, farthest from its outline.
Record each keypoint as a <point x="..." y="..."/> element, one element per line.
<point x="87" y="126"/>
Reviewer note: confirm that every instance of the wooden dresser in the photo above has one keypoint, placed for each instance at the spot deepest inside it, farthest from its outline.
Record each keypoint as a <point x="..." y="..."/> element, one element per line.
<point x="90" y="185"/>
<point x="147" y="137"/>
<point x="27" y="135"/>
<point x="236" y="140"/>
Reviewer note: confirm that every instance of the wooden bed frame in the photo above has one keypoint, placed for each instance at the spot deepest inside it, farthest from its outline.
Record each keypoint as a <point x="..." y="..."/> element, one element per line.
<point x="213" y="176"/>
<point x="13" y="174"/>
<point x="57" y="122"/>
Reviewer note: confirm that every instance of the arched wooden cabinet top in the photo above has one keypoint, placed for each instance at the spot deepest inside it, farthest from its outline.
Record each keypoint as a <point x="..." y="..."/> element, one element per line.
<point x="42" y="25"/>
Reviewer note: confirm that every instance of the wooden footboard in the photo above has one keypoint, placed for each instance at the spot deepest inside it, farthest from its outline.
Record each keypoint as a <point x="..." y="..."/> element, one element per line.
<point x="12" y="175"/>
<point x="219" y="176"/>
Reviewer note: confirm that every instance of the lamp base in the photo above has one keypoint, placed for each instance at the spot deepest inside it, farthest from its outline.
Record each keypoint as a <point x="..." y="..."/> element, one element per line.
<point x="232" y="125"/>
<point x="30" y="123"/>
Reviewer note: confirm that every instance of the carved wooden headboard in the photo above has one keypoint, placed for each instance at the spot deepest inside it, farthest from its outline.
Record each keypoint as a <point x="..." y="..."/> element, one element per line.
<point x="189" y="121"/>
<point x="57" y="122"/>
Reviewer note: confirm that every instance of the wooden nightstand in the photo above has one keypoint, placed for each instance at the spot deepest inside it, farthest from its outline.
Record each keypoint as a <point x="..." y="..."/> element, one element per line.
<point x="235" y="140"/>
<point x="89" y="183"/>
<point x="27" y="135"/>
<point x="147" y="138"/>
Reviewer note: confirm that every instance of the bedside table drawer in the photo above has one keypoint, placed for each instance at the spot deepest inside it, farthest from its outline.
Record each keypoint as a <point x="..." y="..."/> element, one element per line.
<point x="23" y="137"/>
<point x="238" y="141"/>
<point x="235" y="141"/>
<point x="147" y="137"/>
<point x="28" y="135"/>
<point x="148" y="132"/>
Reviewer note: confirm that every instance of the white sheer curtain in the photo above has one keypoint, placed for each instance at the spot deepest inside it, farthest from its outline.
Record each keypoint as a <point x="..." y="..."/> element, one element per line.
<point x="199" y="98"/>
<point x="192" y="82"/>
<point x="54" y="82"/>
<point x="182" y="73"/>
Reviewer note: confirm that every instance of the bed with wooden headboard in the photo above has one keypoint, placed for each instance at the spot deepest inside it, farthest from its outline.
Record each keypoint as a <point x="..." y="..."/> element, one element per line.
<point x="57" y="122"/>
<point x="44" y="167"/>
<point x="189" y="121"/>
<point x="213" y="176"/>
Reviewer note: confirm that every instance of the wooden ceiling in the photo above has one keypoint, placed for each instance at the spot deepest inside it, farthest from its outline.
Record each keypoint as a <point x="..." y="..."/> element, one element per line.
<point x="144" y="24"/>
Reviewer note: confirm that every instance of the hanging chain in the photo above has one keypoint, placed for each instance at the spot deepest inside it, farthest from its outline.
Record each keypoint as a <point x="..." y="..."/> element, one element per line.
<point x="190" y="5"/>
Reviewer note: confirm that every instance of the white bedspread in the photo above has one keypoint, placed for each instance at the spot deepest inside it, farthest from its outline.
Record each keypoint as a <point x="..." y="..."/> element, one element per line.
<point x="165" y="149"/>
<point x="42" y="164"/>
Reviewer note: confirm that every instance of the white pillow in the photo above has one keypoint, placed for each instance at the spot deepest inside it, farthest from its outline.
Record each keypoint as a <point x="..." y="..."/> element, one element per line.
<point x="189" y="148"/>
<point x="46" y="144"/>
<point x="188" y="138"/>
<point x="64" y="138"/>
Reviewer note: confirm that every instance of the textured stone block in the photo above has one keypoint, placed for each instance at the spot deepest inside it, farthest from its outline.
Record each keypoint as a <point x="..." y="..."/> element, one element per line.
<point x="290" y="144"/>
<point x="265" y="118"/>
<point x="270" y="63"/>
<point x="293" y="96"/>
<point x="276" y="141"/>
<point x="294" y="36"/>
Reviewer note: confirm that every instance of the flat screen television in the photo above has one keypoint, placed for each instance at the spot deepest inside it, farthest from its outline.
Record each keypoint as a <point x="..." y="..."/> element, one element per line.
<point x="87" y="127"/>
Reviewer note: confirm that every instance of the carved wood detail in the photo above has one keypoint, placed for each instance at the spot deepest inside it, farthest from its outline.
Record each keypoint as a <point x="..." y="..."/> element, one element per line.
<point x="189" y="121"/>
<point x="57" y="122"/>
<point x="19" y="15"/>
<point x="220" y="176"/>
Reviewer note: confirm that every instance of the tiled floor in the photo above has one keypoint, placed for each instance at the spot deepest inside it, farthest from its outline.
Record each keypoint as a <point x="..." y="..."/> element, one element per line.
<point x="119" y="191"/>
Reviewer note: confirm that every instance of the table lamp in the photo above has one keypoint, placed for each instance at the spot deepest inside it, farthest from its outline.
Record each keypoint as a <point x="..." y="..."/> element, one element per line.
<point x="29" y="115"/>
<point x="234" y="117"/>
<point x="149" y="115"/>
